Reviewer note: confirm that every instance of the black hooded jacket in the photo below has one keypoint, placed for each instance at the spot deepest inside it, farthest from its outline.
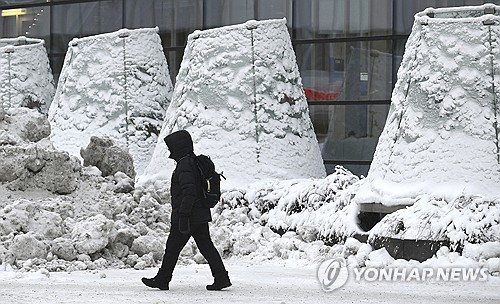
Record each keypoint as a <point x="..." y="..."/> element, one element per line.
<point x="185" y="186"/>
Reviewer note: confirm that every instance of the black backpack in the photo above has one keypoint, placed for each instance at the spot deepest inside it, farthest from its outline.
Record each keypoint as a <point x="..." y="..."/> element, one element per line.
<point x="210" y="180"/>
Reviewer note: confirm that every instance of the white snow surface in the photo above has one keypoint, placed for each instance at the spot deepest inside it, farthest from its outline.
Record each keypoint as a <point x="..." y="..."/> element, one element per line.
<point x="25" y="76"/>
<point x="291" y="282"/>
<point x="441" y="138"/>
<point x="114" y="85"/>
<point x="239" y="93"/>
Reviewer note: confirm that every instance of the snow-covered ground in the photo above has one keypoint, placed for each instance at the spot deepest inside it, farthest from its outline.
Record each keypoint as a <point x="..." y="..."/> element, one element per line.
<point x="252" y="283"/>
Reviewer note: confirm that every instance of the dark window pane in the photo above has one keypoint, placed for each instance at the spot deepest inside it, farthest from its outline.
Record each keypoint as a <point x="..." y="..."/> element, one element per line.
<point x="56" y="63"/>
<point x="82" y="20"/>
<point x="274" y="9"/>
<point x="174" y="59"/>
<point x="348" y="132"/>
<point x="399" y="48"/>
<point x="30" y="22"/>
<point x="404" y="11"/>
<point x="227" y="12"/>
<point x="359" y="70"/>
<point x="342" y="18"/>
<point x="175" y="19"/>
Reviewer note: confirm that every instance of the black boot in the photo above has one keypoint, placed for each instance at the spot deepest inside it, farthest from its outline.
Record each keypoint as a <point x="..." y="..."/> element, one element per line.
<point x="220" y="283"/>
<point x="156" y="283"/>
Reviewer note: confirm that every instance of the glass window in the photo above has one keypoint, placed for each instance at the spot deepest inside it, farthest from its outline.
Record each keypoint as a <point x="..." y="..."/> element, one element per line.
<point x="358" y="70"/>
<point x="342" y="18"/>
<point x="82" y="20"/>
<point x="348" y="132"/>
<point x="175" y="18"/>
<point x="274" y="9"/>
<point x="30" y="22"/>
<point x="56" y="64"/>
<point x="406" y="10"/>
<point x="227" y="12"/>
<point x="174" y="59"/>
<point x="399" y="49"/>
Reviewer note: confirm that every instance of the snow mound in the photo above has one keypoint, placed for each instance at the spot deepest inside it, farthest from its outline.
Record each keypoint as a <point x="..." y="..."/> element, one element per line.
<point x="442" y="133"/>
<point x="115" y="85"/>
<point x="27" y="158"/>
<point x="22" y="126"/>
<point x="108" y="157"/>
<point x="25" y="76"/>
<point x="240" y="95"/>
<point x="96" y="227"/>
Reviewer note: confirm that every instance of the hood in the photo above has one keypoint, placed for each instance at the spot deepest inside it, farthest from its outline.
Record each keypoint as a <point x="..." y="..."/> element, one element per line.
<point x="179" y="144"/>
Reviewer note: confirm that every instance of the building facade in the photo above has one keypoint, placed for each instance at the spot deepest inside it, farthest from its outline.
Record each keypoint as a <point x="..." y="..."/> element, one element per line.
<point x="348" y="51"/>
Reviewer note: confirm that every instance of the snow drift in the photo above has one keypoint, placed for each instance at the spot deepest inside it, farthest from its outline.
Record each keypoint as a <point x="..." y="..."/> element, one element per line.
<point x="115" y="85"/>
<point x="25" y="75"/>
<point x="28" y="160"/>
<point x="239" y="94"/>
<point x="441" y="137"/>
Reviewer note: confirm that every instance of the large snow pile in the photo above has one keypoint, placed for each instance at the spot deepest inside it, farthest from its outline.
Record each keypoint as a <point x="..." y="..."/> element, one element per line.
<point x="105" y="222"/>
<point x="115" y="85"/>
<point x="28" y="159"/>
<point x="96" y="227"/>
<point x="25" y="75"/>
<point x="441" y="137"/>
<point x="239" y="94"/>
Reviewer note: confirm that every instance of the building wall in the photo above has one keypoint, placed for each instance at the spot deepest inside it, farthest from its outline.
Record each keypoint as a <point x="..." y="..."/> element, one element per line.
<point x="348" y="51"/>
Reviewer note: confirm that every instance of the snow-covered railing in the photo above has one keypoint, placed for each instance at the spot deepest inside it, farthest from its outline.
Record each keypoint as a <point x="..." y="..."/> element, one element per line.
<point x="25" y="75"/>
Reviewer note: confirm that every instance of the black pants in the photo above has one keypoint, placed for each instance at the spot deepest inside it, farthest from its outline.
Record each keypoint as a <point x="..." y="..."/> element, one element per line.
<point x="176" y="242"/>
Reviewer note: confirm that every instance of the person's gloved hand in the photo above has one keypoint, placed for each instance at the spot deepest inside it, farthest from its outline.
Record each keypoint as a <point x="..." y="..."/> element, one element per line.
<point x="184" y="225"/>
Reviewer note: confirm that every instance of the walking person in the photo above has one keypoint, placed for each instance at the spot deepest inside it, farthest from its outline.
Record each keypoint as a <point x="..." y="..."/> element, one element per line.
<point x="189" y="217"/>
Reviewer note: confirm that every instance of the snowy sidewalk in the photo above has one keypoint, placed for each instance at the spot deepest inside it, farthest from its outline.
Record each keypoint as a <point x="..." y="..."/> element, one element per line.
<point x="267" y="283"/>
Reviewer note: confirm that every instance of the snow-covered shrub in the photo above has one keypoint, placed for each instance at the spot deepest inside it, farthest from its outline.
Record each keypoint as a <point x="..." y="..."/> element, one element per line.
<point x="314" y="208"/>
<point x="462" y="220"/>
<point x="482" y="251"/>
